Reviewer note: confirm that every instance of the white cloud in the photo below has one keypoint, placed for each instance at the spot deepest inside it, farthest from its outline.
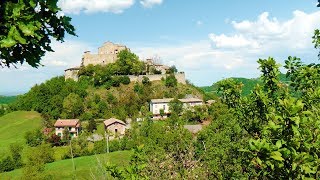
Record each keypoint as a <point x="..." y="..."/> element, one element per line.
<point x="20" y="80"/>
<point x="269" y="35"/>
<point x="236" y="54"/>
<point x="235" y="41"/>
<point x="92" y="6"/>
<point x="67" y="54"/>
<point x="150" y="3"/>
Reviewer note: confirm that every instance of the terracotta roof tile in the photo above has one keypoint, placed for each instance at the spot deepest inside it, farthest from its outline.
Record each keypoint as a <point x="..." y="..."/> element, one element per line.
<point x="67" y="123"/>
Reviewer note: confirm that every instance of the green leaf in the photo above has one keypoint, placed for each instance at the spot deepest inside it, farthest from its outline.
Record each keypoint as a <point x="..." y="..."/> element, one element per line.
<point x="294" y="166"/>
<point x="6" y="43"/>
<point x="276" y="155"/>
<point x="278" y="144"/>
<point x="28" y="30"/>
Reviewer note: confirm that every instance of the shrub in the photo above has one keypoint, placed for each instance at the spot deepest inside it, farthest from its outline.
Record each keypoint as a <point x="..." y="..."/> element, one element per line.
<point x="145" y="80"/>
<point x="171" y="81"/>
<point x="125" y="80"/>
<point x="34" y="138"/>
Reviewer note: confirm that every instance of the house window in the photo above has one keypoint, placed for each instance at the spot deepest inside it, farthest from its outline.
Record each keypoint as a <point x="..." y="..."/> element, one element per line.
<point x="116" y="131"/>
<point x="164" y="107"/>
<point x="69" y="128"/>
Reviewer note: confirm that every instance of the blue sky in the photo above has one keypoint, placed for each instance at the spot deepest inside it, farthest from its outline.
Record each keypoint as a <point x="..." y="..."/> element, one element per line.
<point x="207" y="39"/>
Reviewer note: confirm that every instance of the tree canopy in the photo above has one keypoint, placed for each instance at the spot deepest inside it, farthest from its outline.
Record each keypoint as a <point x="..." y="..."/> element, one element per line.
<point x="27" y="28"/>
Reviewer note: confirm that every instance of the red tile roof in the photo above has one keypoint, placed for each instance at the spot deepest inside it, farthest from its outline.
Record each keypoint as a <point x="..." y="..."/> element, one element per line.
<point x="67" y="123"/>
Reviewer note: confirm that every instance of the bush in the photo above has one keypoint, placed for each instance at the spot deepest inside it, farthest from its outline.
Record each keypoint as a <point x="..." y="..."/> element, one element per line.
<point x="125" y="80"/>
<point x="145" y="80"/>
<point x="92" y="125"/>
<point x="116" y="81"/>
<point x="171" y="81"/>
<point x="6" y="164"/>
<point x="34" y="138"/>
<point x="100" y="147"/>
<point x="55" y="140"/>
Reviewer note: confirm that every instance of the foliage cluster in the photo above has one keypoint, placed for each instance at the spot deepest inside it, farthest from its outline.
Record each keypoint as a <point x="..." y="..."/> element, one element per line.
<point x="27" y="28"/>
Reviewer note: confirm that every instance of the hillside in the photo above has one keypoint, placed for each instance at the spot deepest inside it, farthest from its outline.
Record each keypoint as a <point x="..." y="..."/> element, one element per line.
<point x="57" y="98"/>
<point x="85" y="166"/>
<point x="14" y="125"/>
<point x="248" y="84"/>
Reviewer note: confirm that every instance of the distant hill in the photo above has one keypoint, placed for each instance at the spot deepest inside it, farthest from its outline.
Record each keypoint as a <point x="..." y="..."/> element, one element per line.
<point x="248" y="84"/>
<point x="7" y="99"/>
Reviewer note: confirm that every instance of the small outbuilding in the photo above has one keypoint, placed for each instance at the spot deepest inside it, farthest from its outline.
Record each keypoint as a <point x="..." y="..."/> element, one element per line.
<point x="115" y="126"/>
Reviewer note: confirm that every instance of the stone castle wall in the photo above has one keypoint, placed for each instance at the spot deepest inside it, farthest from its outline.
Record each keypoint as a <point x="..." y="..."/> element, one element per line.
<point x="71" y="74"/>
<point x="157" y="77"/>
<point x="107" y="54"/>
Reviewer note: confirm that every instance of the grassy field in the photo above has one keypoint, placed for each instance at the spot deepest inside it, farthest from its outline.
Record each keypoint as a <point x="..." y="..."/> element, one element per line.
<point x="88" y="167"/>
<point x="14" y="125"/>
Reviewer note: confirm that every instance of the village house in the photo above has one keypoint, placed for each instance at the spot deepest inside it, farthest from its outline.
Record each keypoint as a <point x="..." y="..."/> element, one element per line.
<point x="72" y="125"/>
<point x="115" y="127"/>
<point x="156" y="105"/>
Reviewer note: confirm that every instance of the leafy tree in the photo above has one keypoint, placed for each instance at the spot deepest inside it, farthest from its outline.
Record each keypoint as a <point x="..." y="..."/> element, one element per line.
<point x="128" y="63"/>
<point x="282" y="129"/>
<point x="16" y="152"/>
<point x="162" y="113"/>
<point x="171" y="81"/>
<point x="27" y="28"/>
<point x="66" y="134"/>
<point x="218" y="145"/>
<point x="175" y="106"/>
<point x="92" y="125"/>
<point x="36" y="159"/>
<point x="55" y="140"/>
<point x="72" y="105"/>
<point x="172" y="70"/>
<point x="34" y="138"/>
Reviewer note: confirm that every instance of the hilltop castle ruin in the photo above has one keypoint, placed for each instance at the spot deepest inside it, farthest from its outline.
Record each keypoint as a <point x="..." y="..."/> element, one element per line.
<point x="108" y="53"/>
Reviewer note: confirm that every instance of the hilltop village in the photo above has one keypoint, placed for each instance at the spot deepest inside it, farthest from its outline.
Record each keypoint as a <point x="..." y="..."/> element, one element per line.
<point x="108" y="53"/>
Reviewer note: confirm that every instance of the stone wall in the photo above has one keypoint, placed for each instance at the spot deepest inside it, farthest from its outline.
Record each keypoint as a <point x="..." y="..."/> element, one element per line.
<point x="71" y="73"/>
<point x="157" y="77"/>
<point x="107" y="54"/>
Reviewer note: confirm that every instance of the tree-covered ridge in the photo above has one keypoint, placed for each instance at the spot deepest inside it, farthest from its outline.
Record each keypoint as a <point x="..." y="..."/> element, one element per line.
<point x="57" y="98"/>
<point x="7" y="99"/>
<point x="248" y="84"/>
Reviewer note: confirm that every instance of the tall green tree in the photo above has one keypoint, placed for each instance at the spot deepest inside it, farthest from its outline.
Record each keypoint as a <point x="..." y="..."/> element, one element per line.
<point x="27" y="28"/>
<point x="72" y="105"/>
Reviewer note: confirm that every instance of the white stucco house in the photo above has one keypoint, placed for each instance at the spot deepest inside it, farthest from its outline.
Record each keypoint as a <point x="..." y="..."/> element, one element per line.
<point x="73" y="126"/>
<point x="157" y="104"/>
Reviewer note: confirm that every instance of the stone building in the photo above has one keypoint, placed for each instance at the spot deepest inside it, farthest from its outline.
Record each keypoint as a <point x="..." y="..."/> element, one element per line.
<point x="107" y="54"/>
<point x="115" y="127"/>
